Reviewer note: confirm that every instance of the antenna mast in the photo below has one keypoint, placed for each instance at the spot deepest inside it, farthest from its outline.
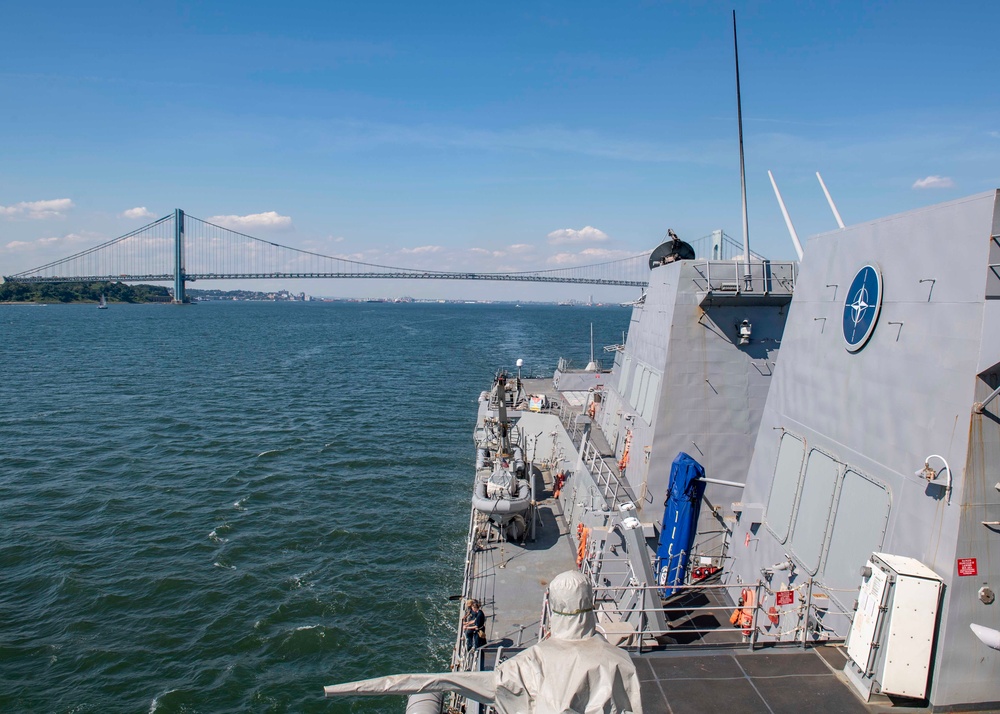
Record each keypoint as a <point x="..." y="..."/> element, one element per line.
<point x="788" y="219"/>
<point x="592" y="365"/>
<point x="743" y="179"/>
<point x="829" y="199"/>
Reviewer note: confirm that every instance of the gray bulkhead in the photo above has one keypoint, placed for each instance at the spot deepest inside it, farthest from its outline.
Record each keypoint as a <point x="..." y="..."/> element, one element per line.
<point x="834" y="471"/>
<point x="683" y="383"/>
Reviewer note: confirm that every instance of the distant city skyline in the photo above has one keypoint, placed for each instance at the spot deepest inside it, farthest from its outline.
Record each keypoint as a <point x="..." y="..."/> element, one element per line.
<point x="463" y="137"/>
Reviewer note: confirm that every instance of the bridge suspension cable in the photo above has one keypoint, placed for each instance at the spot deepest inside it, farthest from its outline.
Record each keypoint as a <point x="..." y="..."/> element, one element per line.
<point x="208" y="251"/>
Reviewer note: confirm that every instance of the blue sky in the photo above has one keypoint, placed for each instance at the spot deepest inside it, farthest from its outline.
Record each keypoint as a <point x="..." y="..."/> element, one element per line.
<point x="486" y="136"/>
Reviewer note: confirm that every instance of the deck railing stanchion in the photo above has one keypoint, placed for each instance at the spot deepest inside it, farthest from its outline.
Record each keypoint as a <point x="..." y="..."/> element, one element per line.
<point x="805" y="617"/>
<point x="753" y="615"/>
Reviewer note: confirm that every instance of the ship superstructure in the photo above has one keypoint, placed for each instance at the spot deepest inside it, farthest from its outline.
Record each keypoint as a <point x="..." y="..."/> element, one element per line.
<point x="880" y="436"/>
<point x="850" y="487"/>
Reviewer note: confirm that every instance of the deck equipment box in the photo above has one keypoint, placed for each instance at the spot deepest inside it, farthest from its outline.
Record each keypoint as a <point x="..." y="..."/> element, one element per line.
<point x="891" y="639"/>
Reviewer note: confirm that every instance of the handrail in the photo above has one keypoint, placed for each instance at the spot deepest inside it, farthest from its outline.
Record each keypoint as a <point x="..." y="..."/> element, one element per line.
<point x="804" y="623"/>
<point x="608" y="480"/>
<point x="730" y="277"/>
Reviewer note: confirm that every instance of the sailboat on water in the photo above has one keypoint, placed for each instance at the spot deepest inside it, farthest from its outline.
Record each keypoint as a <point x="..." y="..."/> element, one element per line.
<point x="103" y="304"/>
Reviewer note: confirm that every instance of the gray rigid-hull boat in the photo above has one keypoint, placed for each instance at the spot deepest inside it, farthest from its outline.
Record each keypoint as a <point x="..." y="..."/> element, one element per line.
<point x="840" y="555"/>
<point x="501" y="492"/>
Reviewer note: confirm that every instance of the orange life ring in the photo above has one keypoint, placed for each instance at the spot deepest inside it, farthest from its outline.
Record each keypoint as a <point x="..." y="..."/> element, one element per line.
<point x="742" y="616"/>
<point x="581" y="551"/>
<point x="623" y="461"/>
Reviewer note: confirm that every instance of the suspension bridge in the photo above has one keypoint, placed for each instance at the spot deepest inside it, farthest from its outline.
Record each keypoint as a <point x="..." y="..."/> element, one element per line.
<point x="181" y="248"/>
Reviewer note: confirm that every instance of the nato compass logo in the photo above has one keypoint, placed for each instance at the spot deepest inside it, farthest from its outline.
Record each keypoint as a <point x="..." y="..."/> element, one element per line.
<point x="861" y="307"/>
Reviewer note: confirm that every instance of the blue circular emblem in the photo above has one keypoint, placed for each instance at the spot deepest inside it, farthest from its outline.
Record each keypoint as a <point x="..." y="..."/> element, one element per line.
<point x="861" y="307"/>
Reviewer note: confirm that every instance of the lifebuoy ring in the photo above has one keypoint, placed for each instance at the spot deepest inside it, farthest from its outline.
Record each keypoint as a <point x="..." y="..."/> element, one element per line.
<point x="742" y="616"/>
<point x="623" y="461"/>
<point x="581" y="552"/>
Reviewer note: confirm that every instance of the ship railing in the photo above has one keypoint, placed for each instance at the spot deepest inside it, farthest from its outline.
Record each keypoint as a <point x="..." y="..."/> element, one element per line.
<point x="736" y="278"/>
<point x="570" y="419"/>
<point x="472" y="661"/>
<point x="613" y="489"/>
<point x="798" y="620"/>
<point x="610" y="482"/>
<point x="459" y="653"/>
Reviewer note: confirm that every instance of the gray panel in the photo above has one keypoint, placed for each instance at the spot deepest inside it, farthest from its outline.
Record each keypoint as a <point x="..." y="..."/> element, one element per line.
<point x="858" y="531"/>
<point x="786" y="482"/>
<point x="626" y="368"/>
<point x="649" y="402"/>
<point x="643" y="386"/>
<point x="989" y="351"/>
<point x="640" y="374"/>
<point x="813" y="514"/>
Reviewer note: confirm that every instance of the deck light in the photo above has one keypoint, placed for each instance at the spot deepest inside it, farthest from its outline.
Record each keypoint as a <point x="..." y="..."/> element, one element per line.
<point x="745" y="330"/>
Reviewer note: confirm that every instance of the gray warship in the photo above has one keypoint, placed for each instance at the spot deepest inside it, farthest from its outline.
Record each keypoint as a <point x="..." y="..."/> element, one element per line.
<point x="781" y="497"/>
<point x="850" y="494"/>
<point x="843" y="414"/>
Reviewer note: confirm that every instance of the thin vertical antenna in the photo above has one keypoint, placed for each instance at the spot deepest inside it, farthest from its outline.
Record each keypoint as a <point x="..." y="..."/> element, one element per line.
<point x="743" y="177"/>
<point x="592" y="365"/>
<point x="829" y="199"/>
<point x="788" y="220"/>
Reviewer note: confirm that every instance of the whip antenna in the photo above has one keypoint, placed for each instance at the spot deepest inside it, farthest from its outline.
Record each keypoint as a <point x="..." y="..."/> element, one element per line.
<point x="788" y="220"/>
<point x="743" y="179"/>
<point x="829" y="199"/>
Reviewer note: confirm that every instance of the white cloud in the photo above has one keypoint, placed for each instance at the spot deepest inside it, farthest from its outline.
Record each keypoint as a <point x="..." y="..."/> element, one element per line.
<point x="587" y="234"/>
<point x="21" y="245"/>
<point x="484" y="251"/>
<point x="362" y="257"/>
<point x="563" y="259"/>
<point x="52" y="208"/>
<point x="422" y="249"/>
<point x="137" y="212"/>
<point x="269" y="219"/>
<point x="934" y="182"/>
<point x="588" y="256"/>
<point x="521" y="248"/>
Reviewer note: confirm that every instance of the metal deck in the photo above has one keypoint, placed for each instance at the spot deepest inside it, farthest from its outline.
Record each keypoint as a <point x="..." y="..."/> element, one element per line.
<point x="775" y="680"/>
<point x="742" y="682"/>
<point x="510" y="578"/>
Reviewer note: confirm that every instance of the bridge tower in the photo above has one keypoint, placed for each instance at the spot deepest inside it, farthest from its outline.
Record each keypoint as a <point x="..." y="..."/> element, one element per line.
<point x="180" y="297"/>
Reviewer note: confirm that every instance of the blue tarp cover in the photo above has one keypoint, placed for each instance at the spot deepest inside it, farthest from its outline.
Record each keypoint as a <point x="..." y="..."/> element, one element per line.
<point x="680" y="521"/>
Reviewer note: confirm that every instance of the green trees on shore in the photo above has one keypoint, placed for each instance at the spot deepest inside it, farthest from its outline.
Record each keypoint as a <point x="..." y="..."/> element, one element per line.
<point x="81" y="292"/>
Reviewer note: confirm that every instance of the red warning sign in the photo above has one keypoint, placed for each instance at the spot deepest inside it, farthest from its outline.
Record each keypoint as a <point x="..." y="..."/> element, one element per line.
<point x="967" y="566"/>
<point x="785" y="597"/>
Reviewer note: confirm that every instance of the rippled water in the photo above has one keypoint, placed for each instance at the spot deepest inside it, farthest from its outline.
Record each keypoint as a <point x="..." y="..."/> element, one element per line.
<point x="223" y="507"/>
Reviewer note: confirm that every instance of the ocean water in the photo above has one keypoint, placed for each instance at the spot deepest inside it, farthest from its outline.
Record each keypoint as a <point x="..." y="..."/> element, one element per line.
<point x="223" y="507"/>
